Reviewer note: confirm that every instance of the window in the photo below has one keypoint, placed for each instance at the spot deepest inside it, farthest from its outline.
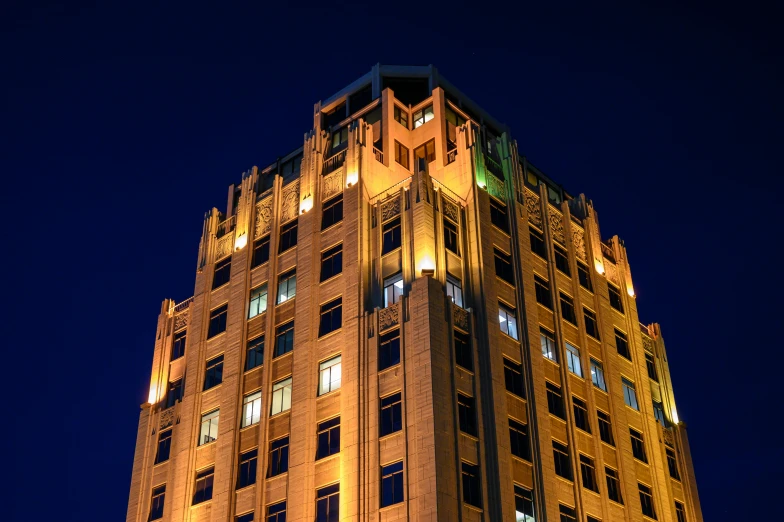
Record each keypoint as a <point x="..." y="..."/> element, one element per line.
<point x="451" y="238"/>
<point x="329" y="375"/>
<point x="276" y="512"/>
<point x="454" y="290"/>
<point x="261" y="251"/>
<point x="466" y="413"/>
<point x="288" y="236"/>
<point x="547" y="340"/>
<point x="178" y="345"/>
<point x="589" y="518"/>
<point x="573" y="360"/>
<point x="613" y="485"/>
<point x="615" y="298"/>
<point x="426" y="152"/>
<point x="566" y="513"/>
<point x="503" y="266"/>
<point x="507" y="320"/>
<point x="287" y="286"/>
<point x="339" y="137"/>
<point x="650" y="364"/>
<point x="213" y="375"/>
<point x="222" y="273"/>
<point x="563" y="467"/>
<point x="391" y="236"/>
<point x="472" y="492"/>
<point x="278" y="456"/>
<point x="591" y="328"/>
<point x="524" y="505"/>
<point x="281" y="396"/>
<point x="629" y="395"/>
<point x="389" y="349"/>
<point x="217" y="321"/>
<point x="174" y="394"/>
<point x="158" y="499"/>
<point x="258" y="301"/>
<point x="584" y="276"/>
<point x="401" y="116"/>
<point x="423" y="116"/>
<point x="597" y="375"/>
<point x="247" y="517"/>
<point x="246" y="475"/>
<point x="543" y="295"/>
<point x="537" y="243"/>
<point x="392" y="484"/>
<point x="638" y="445"/>
<point x="328" y="438"/>
<point x="463" y="355"/>
<point x="331" y="316"/>
<point x="680" y="510"/>
<point x="518" y="440"/>
<point x="203" y="490"/>
<point x="567" y="309"/>
<point x="164" y="446"/>
<point x="555" y="403"/>
<point x="209" y="427"/>
<point x="646" y="501"/>
<point x="391" y="414"/>
<point x="401" y="154"/>
<point x="672" y="463"/>
<point x="251" y="409"/>
<point x="588" y="473"/>
<point x="498" y="215"/>
<point x="331" y="262"/>
<point x="581" y="415"/>
<point x="658" y="413"/>
<point x="622" y="345"/>
<point x="562" y="260"/>
<point x="284" y="338"/>
<point x="332" y="212"/>
<point x="393" y="289"/>
<point x="513" y="377"/>
<point x="328" y="504"/>
<point x="605" y="427"/>
<point x="255" y="353"/>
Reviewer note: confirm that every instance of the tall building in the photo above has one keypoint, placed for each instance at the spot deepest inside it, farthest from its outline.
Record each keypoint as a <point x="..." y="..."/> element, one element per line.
<point x="404" y="319"/>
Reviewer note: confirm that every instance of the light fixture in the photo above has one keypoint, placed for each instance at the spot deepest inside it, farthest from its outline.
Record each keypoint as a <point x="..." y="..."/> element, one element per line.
<point x="428" y="272"/>
<point x="306" y="204"/>
<point x="352" y="178"/>
<point x="242" y="240"/>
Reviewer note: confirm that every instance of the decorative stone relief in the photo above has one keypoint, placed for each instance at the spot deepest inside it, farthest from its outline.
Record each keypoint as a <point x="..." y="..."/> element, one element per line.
<point x="167" y="418"/>
<point x="450" y="210"/>
<point x="496" y="187"/>
<point x="290" y="205"/>
<point x="331" y="184"/>
<point x="534" y="210"/>
<point x="556" y="225"/>
<point x="647" y="343"/>
<point x="390" y="208"/>
<point x="669" y="438"/>
<point x="225" y="246"/>
<point x="460" y="317"/>
<point x="578" y="240"/>
<point x="612" y="272"/>
<point x="181" y="319"/>
<point x="388" y="317"/>
<point x="263" y="217"/>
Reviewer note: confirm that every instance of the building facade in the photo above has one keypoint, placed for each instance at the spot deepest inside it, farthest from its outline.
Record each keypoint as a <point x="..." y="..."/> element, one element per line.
<point x="404" y="319"/>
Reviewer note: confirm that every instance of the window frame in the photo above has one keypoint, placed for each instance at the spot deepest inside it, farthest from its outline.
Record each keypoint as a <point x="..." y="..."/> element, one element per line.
<point x="630" y="394"/>
<point x="218" y="320"/>
<point x="251" y="409"/>
<point x="281" y="392"/>
<point x="513" y="378"/>
<point x="550" y="346"/>
<point x="588" y="473"/>
<point x="519" y="441"/>
<point x="390" y="339"/>
<point x="203" y="484"/>
<point x="396" y="286"/>
<point x="573" y="361"/>
<point x="278" y="456"/>
<point x="567" y="308"/>
<point x="221" y="274"/>
<point x="504" y="266"/>
<point x="605" y="428"/>
<point x="328" y="368"/>
<point x="247" y="468"/>
<point x="562" y="460"/>
<point x="466" y="412"/>
<point x="261" y="252"/>
<point x="402" y="153"/>
<point x="260" y="295"/>
<point x="284" y="335"/>
<point x="252" y="347"/>
<point x="331" y="208"/>
<point x="390" y="406"/>
<point x="157" y="502"/>
<point x="562" y="260"/>
<point x="392" y="476"/>
<point x="331" y="262"/>
<point x="288" y="235"/>
<point x="213" y="372"/>
<point x="508" y="312"/>
<point x="287" y="286"/>
<point x="328" y="431"/>
<point x="211" y="420"/>
<point x="555" y="393"/>
<point x="330" y="317"/>
<point x="542" y="291"/>
<point x="391" y="235"/>
<point x="597" y="375"/>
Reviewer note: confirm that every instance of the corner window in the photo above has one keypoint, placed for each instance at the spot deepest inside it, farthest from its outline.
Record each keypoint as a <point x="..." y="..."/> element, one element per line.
<point x="401" y="154"/>
<point x="203" y="489"/>
<point x="332" y="212"/>
<point x="339" y="139"/>
<point x="288" y="236"/>
<point x="426" y="152"/>
<point x="597" y="375"/>
<point x="329" y="375"/>
<point x="209" y="427"/>
<point x="507" y="320"/>
<point x="217" y="321"/>
<point x="213" y="374"/>
<point x="547" y="340"/>
<point x="261" y="251"/>
<point x="331" y="316"/>
<point x="328" y="438"/>
<point x="423" y="116"/>
<point x="389" y="349"/>
<point x="331" y="262"/>
<point x="278" y="457"/>
<point x="258" y="301"/>
<point x="255" y="353"/>
<point x="503" y="266"/>
<point x="401" y="116"/>
<point x="392" y="484"/>
<point x="391" y="239"/>
<point x="393" y="289"/>
<point x="251" y="409"/>
<point x="222" y="273"/>
<point x="281" y="396"/>
<point x="287" y="286"/>
<point x="629" y="394"/>
<point x="454" y="290"/>
<point x="573" y="360"/>
<point x="284" y="338"/>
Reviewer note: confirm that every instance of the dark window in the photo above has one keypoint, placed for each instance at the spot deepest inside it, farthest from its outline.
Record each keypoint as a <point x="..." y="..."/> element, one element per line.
<point x="178" y="346"/>
<point x="158" y="499"/>
<point x="255" y="353"/>
<point x="543" y="295"/>
<point x="284" y="338"/>
<point x="276" y="512"/>
<point x="581" y="415"/>
<point x="562" y="260"/>
<point x="646" y="501"/>
<point x="537" y="243"/>
<point x="164" y="446"/>
<point x="638" y="445"/>
<point x="331" y="316"/>
<point x="463" y="355"/>
<point x="518" y="440"/>
<point x="588" y="473"/>
<point x="213" y="375"/>
<point x="672" y="463"/>
<point x="278" y="457"/>
<point x="401" y="154"/>
<point x="246" y="475"/>
<point x="174" y="393"/>
<point x="222" y="273"/>
<point x="584" y="276"/>
<point x="328" y="438"/>
<point x="498" y="215"/>
<point x="401" y="116"/>
<point x="391" y="236"/>
<point x="328" y="504"/>
<point x="650" y="364"/>
<point x="591" y="328"/>
<point x="605" y="428"/>
<point x="555" y="400"/>
<point x="261" y="251"/>
<point x="472" y="492"/>
<point x="332" y="212"/>
<point x="218" y="321"/>
<point x="513" y="377"/>
<point x="247" y="517"/>
<point x="680" y="510"/>
<point x="331" y="262"/>
<point x="389" y="349"/>
<point x="288" y="236"/>
<point x="203" y="490"/>
<point x="567" y="309"/>
<point x="466" y="413"/>
<point x="290" y="170"/>
<point x="392" y="484"/>
<point x="451" y="237"/>
<point x="426" y="152"/>
<point x="339" y="136"/>
<point x="622" y="345"/>
<point x="613" y="485"/>
<point x="391" y="414"/>
<point x="566" y="513"/>
<point x="503" y="266"/>
<point x="589" y="518"/>
<point x="615" y="298"/>
<point x="563" y="467"/>
<point x="524" y="504"/>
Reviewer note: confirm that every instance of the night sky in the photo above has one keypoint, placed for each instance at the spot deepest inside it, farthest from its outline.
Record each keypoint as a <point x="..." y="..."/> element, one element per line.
<point x="121" y="126"/>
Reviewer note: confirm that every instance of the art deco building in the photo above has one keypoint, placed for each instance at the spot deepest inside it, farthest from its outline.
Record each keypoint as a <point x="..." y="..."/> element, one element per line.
<point x="404" y="319"/>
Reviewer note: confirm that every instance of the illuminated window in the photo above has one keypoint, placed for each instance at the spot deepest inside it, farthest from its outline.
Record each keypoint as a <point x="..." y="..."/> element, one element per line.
<point x="622" y="344"/>
<point x="597" y="375"/>
<point x="401" y="116"/>
<point x="537" y="243"/>
<point x="281" y="396"/>
<point x="518" y="440"/>
<point x="573" y="360"/>
<point x="555" y="403"/>
<point x="638" y="445"/>
<point x="157" y="503"/>
<point x="209" y="427"/>
<point x="615" y="297"/>
<point x="524" y="504"/>
<point x="503" y="266"/>
<point x="426" y="152"/>
<point x="278" y="456"/>
<point x="498" y="216"/>
<point x="581" y="414"/>
<point x="258" y="301"/>
<point x="513" y="378"/>
<point x="584" y="275"/>
<point x="222" y="273"/>
<point x="588" y="473"/>
<point x="287" y="286"/>
<point x="563" y="465"/>
<point x="507" y="320"/>
<point x="392" y="484"/>
<point x="328" y="504"/>
<point x="401" y="154"/>
<point x="331" y="262"/>
<point x="650" y="364"/>
<point x="562" y="260"/>
<point x="217" y="321"/>
<point x="331" y="316"/>
<point x="251" y="409"/>
<point x="203" y="490"/>
<point x="389" y="349"/>
<point x="276" y="512"/>
<point x="164" y="446"/>
<point x="246" y="474"/>
<point x="547" y="340"/>
<point x="329" y="375"/>
<point x="261" y="251"/>
<point x="391" y="239"/>
<point x="255" y="353"/>
<point x="613" y="485"/>
<point x="646" y="501"/>
<point x="629" y="394"/>
<point x="567" y="309"/>
<point x="591" y="327"/>
<point x="423" y="116"/>
<point x="178" y="346"/>
<point x="472" y="491"/>
<point x="213" y="374"/>
<point x="332" y="212"/>
<point x="466" y="413"/>
<point x="451" y="238"/>
<point x="566" y="513"/>
<point x="463" y="355"/>
<point x="328" y="438"/>
<point x="454" y="290"/>
<point x="288" y="236"/>
<point x="284" y="338"/>
<point x="391" y="414"/>
<point x="605" y="427"/>
<point x="393" y="289"/>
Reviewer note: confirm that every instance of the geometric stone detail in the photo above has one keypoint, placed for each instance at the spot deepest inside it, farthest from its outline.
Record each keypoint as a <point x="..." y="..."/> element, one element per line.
<point x="167" y="418"/>
<point x="578" y="240"/>
<point x="263" y="217"/>
<point x="331" y="184"/>
<point x="534" y="210"/>
<point x="388" y="317"/>
<point x="496" y="187"/>
<point x="390" y="208"/>
<point x="669" y="438"/>
<point x="647" y="343"/>
<point x="612" y="272"/>
<point x="181" y="319"/>
<point x="290" y="205"/>
<point x="460" y="317"/>
<point x="450" y="210"/>
<point x="225" y="246"/>
<point x="556" y="224"/>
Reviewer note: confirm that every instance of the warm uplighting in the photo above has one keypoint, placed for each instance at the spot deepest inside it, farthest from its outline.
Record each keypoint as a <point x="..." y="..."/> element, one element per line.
<point x="306" y="204"/>
<point x="599" y="266"/>
<point x="675" y="415"/>
<point x="426" y="266"/>
<point x="241" y="241"/>
<point x="428" y="272"/>
<point x="630" y="291"/>
<point x="153" y="397"/>
<point x="352" y="178"/>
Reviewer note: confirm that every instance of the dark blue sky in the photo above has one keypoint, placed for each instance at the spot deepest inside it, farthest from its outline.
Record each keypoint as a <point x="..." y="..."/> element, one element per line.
<point x="122" y="125"/>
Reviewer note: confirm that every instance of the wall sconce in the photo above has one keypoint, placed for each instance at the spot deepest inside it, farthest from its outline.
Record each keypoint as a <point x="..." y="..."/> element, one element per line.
<point x="306" y="204"/>
<point x="242" y="240"/>
<point x="352" y="178"/>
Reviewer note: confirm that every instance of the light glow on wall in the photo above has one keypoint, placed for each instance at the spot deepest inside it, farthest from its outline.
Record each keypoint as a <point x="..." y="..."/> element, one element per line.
<point x="153" y="397"/>
<point x="306" y="204"/>
<point x="599" y="265"/>
<point x="675" y="415"/>
<point x="241" y="241"/>
<point x="352" y="178"/>
<point x="630" y="290"/>
<point x="426" y="265"/>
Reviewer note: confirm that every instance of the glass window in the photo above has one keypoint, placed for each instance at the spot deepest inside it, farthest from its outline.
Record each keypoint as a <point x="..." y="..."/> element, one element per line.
<point x="332" y="212"/>
<point x="646" y="501"/>
<point x="584" y="276"/>
<point x="328" y="504"/>
<point x="543" y="295"/>
<point x="591" y="327"/>
<point x="157" y="503"/>
<point x="222" y="273"/>
<point x="287" y="286"/>
<point x="209" y="427"/>
<point x="524" y="504"/>
<point x="672" y="463"/>
<point x="454" y="290"/>
<point x="613" y="485"/>
<point x="391" y="484"/>
<point x="638" y="445"/>
<point x="622" y="344"/>
<point x="472" y="491"/>
<point x="658" y="413"/>
<point x="518" y="440"/>
<point x="401" y="154"/>
<point x="246" y="474"/>
<point x="391" y="414"/>
<point x="261" y="251"/>
<point x="426" y="152"/>
<point x="562" y="260"/>
<point x="217" y="321"/>
<point x="393" y="289"/>
<point x="329" y="375"/>
<point x="555" y="400"/>
<point x="567" y="309"/>
<point x="513" y="377"/>
<point x="537" y="243"/>
<point x="247" y="517"/>
<point x="288" y="236"/>
<point x="391" y="239"/>
<point x="507" y="321"/>
<point x="629" y="394"/>
<point x="597" y="375"/>
<point x="451" y="237"/>
<point x="680" y="511"/>
<point x="284" y="338"/>
<point x="503" y="266"/>
<point x="281" y="396"/>
<point x="498" y="215"/>
<point x="331" y="316"/>
<point x="566" y="514"/>
<point x="178" y="345"/>
<point x="605" y="427"/>
<point x="331" y="262"/>
<point x="213" y="375"/>
<point x="164" y="446"/>
<point x="463" y="355"/>
<point x="278" y="456"/>
<point x="547" y="340"/>
<point x="276" y="512"/>
<point x="423" y="116"/>
<point x="339" y="139"/>
<point x="255" y="353"/>
<point x="251" y="409"/>
<point x="573" y="360"/>
<point x="466" y="413"/>
<point x="615" y="297"/>
<point x="581" y="415"/>
<point x="328" y="438"/>
<point x="203" y="490"/>
<point x="401" y="116"/>
<point x="650" y="364"/>
<point x="174" y="393"/>
<point x="389" y="349"/>
<point x="563" y="466"/>
<point x="258" y="301"/>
